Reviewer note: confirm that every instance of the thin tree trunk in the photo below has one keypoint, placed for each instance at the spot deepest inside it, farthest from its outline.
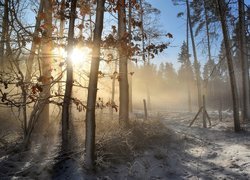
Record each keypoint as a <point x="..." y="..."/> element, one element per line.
<point x="92" y="89"/>
<point x="209" y="51"/>
<point x="5" y="29"/>
<point x="69" y="79"/>
<point x="61" y="36"/>
<point x="5" y="22"/>
<point x="113" y="91"/>
<point x="222" y="11"/>
<point x="244" y="62"/>
<point x="142" y="32"/>
<point x="196" y="65"/>
<point x="30" y="60"/>
<point x="204" y="112"/>
<point x="123" y="66"/>
<point x="130" y="62"/>
<point x="187" y="68"/>
<point x="207" y="31"/>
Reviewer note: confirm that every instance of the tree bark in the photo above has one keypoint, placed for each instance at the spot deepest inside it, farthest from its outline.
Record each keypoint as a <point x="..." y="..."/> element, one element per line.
<point x="187" y="68"/>
<point x="123" y="66"/>
<point x="61" y="36"/>
<point x="244" y="62"/>
<point x="5" y="29"/>
<point x="46" y="60"/>
<point x="130" y="62"/>
<point x="142" y="32"/>
<point x="92" y="89"/>
<point x="69" y="78"/>
<point x="222" y="11"/>
<point x="30" y="60"/>
<point x="196" y="65"/>
<point x="207" y="31"/>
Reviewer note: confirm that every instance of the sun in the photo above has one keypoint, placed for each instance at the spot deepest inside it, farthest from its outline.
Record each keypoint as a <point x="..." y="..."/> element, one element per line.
<point x="80" y="55"/>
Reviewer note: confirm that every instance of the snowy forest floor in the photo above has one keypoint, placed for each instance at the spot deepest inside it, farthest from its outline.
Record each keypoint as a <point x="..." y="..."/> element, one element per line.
<point x="164" y="147"/>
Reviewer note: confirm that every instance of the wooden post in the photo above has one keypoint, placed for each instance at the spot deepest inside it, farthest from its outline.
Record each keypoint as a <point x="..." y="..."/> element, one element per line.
<point x="192" y="122"/>
<point x="220" y="109"/>
<point x="145" y="109"/>
<point x="204" y="113"/>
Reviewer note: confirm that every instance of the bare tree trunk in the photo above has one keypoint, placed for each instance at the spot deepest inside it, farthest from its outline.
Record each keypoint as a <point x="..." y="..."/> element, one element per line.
<point x="61" y="35"/>
<point x="204" y="112"/>
<point x="92" y="89"/>
<point x="123" y="66"/>
<point x="130" y="62"/>
<point x="222" y="11"/>
<point x="46" y="60"/>
<point x="244" y="62"/>
<point x="145" y="110"/>
<point x="142" y="32"/>
<point x="187" y="69"/>
<point x="113" y="90"/>
<point x="196" y="65"/>
<point x="30" y="60"/>
<point x="69" y="79"/>
<point x="5" y="29"/>
<point x="207" y="31"/>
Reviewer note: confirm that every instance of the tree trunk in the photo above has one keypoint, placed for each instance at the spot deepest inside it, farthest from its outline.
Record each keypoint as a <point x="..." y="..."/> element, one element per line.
<point x="222" y="11"/>
<point x="196" y="65"/>
<point x="61" y="36"/>
<point x="207" y="31"/>
<point x="130" y="62"/>
<point x="92" y="89"/>
<point x="30" y="60"/>
<point x="145" y="110"/>
<point x="142" y="32"/>
<point x="113" y="91"/>
<point x="206" y="84"/>
<point x="204" y="112"/>
<point x="5" y="29"/>
<point x="46" y="61"/>
<point x="69" y="78"/>
<point x="244" y="62"/>
<point x="187" y="68"/>
<point x="123" y="66"/>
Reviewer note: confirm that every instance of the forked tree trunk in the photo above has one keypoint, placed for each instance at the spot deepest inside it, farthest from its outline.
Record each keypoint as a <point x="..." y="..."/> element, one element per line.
<point x="196" y="65"/>
<point x="244" y="62"/>
<point x="222" y="11"/>
<point x="69" y="78"/>
<point x="92" y="89"/>
<point x="123" y="66"/>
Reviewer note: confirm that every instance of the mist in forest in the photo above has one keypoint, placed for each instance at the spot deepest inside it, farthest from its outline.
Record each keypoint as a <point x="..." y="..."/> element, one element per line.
<point x="124" y="89"/>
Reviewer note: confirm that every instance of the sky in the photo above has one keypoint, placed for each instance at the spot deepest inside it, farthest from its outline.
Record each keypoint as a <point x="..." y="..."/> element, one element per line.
<point x="172" y="24"/>
<point x="177" y="27"/>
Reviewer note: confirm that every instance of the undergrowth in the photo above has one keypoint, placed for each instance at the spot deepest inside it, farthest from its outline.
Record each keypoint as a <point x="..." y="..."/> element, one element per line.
<point x="117" y="145"/>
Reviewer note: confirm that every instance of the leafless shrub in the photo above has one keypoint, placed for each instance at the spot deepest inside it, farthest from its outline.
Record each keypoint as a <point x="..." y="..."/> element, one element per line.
<point x="116" y="145"/>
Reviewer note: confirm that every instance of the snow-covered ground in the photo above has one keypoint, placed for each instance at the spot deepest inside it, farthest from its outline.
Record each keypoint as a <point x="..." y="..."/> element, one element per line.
<point x="181" y="152"/>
